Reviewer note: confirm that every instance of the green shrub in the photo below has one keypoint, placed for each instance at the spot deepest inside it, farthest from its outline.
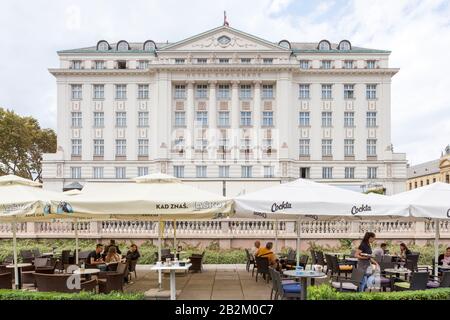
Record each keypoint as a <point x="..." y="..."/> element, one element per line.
<point x="325" y="292"/>
<point x="32" y="295"/>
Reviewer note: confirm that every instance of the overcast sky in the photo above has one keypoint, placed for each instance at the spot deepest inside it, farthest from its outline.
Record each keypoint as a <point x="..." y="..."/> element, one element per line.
<point x="416" y="31"/>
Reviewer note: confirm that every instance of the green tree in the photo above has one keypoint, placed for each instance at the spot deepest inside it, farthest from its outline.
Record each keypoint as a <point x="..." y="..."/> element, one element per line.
<point x="22" y="143"/>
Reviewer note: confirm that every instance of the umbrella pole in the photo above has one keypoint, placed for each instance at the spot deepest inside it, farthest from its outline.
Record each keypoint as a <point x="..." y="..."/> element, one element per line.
<point x="436" y="246"/>
<point x="298" y="241"/>
<point x="276" y="235"/>
<point x="16" y="269"/>
<point x="76" y="241"/>
<point x="175" y="235"/>
<point x="159" y="252"/>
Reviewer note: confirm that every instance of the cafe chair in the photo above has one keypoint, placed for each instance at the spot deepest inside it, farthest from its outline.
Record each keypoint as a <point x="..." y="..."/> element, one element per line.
<point x="6" y="280"/>
<point x="442" y="282"/>
<point x="250" y="261"/>
<point x="112" y="281"/>
<point x="58" y="283"/>
<point x="345" y="284"/>
<point x="197" y="262"/>
<point x="274" y="290"/>
<point x="320" y="258"/>
<point x="418" y="281"/>
<point x="262" y="267"/>
<point x="285" y="290"/>
<point x="27" y="256"/>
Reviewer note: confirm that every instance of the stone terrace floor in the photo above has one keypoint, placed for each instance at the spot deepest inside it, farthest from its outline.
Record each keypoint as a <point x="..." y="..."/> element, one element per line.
<point x="216" y="282"/>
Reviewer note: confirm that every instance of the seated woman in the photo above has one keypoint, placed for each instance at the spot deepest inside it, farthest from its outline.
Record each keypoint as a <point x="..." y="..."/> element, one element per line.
<point x="112" y="256"/>
<point x="133" y="254"/>
<point x="266" y="252"/>
<point x="404" y="251"/>
<point x="444" y="259"/>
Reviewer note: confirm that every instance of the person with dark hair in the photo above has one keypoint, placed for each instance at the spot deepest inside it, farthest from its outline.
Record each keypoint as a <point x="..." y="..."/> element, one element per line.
<point x="266" y="252"/>
<point x="256" y="249"/>
<point x="112" y="243"/>
<point x="95" y="257"/>
<point x="112" y="255"/>
<point x="444" y="259"/>
<point x="364" y="255"/>
<point x="404" y="251"/>
<point x="381" y="251"/>
<point x="133" y="253"/>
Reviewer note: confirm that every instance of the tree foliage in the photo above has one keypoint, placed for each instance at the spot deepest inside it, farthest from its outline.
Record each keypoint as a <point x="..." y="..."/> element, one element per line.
<point x="22" y="143"/>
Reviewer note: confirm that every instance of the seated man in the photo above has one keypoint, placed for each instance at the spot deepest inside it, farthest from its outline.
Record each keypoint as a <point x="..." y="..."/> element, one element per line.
<point x="381" y="251"/>
<point x="95" y="258"/>
<point x="444" y="259"/>
<point x="267" y="253"/>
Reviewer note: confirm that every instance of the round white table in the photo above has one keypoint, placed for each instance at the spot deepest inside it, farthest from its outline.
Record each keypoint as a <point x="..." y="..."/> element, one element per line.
<point x="19" y="269"/>
<point x="304" y="276"/>
<point x="172" y="268"/>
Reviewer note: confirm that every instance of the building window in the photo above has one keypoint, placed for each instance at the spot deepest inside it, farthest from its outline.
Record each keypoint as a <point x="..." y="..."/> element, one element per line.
<point x="224" y="171"/>
<point x="327" y="173"/>
<point x="371" y="147"/>
<point x="121" y="91"/>
<point x="245" y="91"/>
<point x="348" y="64"/>
<point x="223" y="92"/>
<point x="267" y="60"/>
<point x="200" y="171"/>
<point x="349" y="173"/>
<point x="121" y="172"/>
<point x="303" y="119"/>
<point x="180" y="118"/>
<point x="415" y="184"/>
<point x="142" y="64"/>
<point x="179" y="61"/>
<point x="326" y="64"/>
<point x="371" y="91"/>
<point x="143" y="118"/>
<point x="421" y="181"/>
<point x="304" y="172"/>
<point x="303" y="91"/>
<point x="97" y="172"/>
<point x="142" y="171"/>
<point x="202" y="118"/>
<point x="324" y="45"/>
<point x="224" y="118"/>
<point x="268" y="171"/>
<point x="327" y="90"/>
<point x="304" y="64"/>
<point x="99" y="91"/>
<point x="224" y="60"/>
<point x="371" y="119"/>
<point x="99" y="119"/>
<point x="304" y="148"/>
<point x="180" y="91"/>
<point x="223" y="143"/>
<point x="434" y="180"/>
<point x="76" y="64"/>
<point x="121" y="119"/>
<point x="179" y="143"/>
<point x="246" y="60"/>
<point x="349" y="119"/>
<point x="201" y="144"/>
<point x="349" y="147"/>
<point x="77" y="120"/>
<point x="121" y="147"/>
<point x="245" y="144"/>
<point x="327" y="147"/>
<point x="143" y="91"/>
<point x="76" y="147"/>
<point x="267" y="119"/>
<point x="267" y="91"/>
<point x="76" y="91"/>
<point x="371" y="64"/>
<point x="428" y="181"/>
<point x="410" y="186"/>
<point x="178" y="171"/>
<point x="246" y="171"/>
<point x="121" y="64"/>
<point x="142" y="147"/>
<point x="99" y="65"/>
<point x="327" y="119"/>
<point x="75" y="172"/>
<point x="202" y="61"/>
<point x="201" y="91"/>
<point x="99" y="147"/>
<point x="267" y="145"/>
<point x="246" y="118"/>
<point x="371" y="172"/>
<point x="349" y="91"/>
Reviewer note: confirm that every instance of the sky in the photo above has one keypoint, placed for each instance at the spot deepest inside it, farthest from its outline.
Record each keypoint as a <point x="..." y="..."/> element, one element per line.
<point x="416" y="31"/>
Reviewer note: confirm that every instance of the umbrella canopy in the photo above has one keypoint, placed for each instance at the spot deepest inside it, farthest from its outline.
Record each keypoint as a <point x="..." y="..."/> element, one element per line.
<point x="431" y="201"/>
<point x="304" y="197"/>
<point x="151" y="197"/>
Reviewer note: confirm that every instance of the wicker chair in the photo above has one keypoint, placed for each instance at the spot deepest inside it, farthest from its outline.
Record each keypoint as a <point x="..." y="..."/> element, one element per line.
<point x="110" y="281"/>
<point x="58" y="283"/>
<point x="197" y="262"/>
<point x="418" y="281"/>
<point x="250" y="260"/>
<point x="262" y="267"/>
<point x="27" y="256"/>
<point x="5" y="280"/>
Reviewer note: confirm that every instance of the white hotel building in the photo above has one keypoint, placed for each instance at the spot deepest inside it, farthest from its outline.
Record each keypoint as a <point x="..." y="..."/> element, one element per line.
<point x="226" y="111"/>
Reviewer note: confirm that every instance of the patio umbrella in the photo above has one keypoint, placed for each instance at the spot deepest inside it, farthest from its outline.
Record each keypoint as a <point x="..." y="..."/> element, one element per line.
<point x="429" y="202"/>
<point x="305" y="198"/>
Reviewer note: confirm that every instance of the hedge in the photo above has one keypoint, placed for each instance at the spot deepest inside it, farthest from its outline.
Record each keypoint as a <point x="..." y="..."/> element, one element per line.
<point x="6" y="294"/>
<point x="325" y="292"/>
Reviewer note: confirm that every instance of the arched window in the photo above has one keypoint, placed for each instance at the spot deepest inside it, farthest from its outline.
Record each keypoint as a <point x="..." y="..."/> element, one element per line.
<point x="123" y="46"/>
<point x="345" y="45"/>
<point x="149" y="45"/>
<point x="102" y="45"/>
<point x="285" y="44"/>
<point x="324" y="45"/>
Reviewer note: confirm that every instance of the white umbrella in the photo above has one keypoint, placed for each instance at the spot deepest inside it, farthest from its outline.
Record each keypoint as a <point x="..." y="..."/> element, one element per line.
<point x="302" y="198"/>
<point x="431" y="202"/>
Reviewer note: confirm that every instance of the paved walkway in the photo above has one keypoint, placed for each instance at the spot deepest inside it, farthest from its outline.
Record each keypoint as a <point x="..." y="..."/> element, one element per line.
<point x="216" y="282"/>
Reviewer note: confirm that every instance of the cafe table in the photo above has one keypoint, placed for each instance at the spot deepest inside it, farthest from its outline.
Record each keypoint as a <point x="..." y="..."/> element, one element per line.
<point x="19" y="269"/>
<point x="397" y="271"/>
<point x="173" y="268"/>
<point x="87" y="272"/>
<point x="304" y="276"/>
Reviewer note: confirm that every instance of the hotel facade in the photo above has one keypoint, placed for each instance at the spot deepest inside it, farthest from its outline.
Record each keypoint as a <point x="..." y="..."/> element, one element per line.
<point x="225" y="111"/>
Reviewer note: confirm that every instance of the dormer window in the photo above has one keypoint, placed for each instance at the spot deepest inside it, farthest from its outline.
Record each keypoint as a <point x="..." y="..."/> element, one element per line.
<point x="123" y="46"/>
<point x="224" y="40"/>
<point x="345" y="45"/>
<point x="285" y="44"/>
<point x="149" y="45"/>
<point x="103" y="46"/>
<point x="324" y="45"/>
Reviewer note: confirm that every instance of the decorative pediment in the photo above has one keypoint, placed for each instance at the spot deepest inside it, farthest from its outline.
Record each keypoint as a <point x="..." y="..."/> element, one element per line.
<point x="444" y="163"/>
<point x="224" y="38"/>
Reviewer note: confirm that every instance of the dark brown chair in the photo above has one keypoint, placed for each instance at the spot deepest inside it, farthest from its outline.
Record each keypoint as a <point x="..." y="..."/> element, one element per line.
<point x="5" y="280"/>
<point x="27" y="256"/>
<point x="58" y="283"/>
<point x="197" y="262"/>
<point x="250" y="260"/>
<point x="110" y="281"/>
<point x="262" y="267"/>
